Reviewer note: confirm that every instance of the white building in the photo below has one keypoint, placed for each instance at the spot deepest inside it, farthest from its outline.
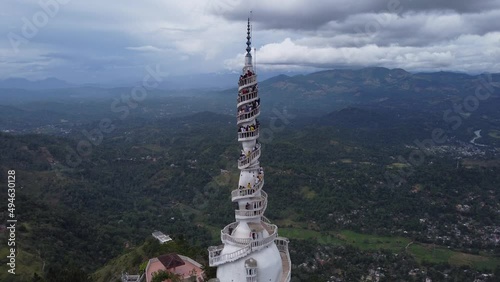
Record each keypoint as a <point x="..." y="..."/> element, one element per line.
<point x="161" y="237"/>
<point x="251" y="250"/>
<point x="131" y="278"/>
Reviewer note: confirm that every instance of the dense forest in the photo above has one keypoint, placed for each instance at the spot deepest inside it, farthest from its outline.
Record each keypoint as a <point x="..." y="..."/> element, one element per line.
<point x="350" y="187"/>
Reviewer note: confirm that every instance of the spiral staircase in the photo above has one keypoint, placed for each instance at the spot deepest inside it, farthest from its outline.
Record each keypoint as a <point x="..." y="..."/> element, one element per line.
<point x="251" y="249"/>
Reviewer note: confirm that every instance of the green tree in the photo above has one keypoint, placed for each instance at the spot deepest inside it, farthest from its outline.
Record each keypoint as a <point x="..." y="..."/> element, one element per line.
<point x="143" y="266"/>
<point x="162" y="275"/>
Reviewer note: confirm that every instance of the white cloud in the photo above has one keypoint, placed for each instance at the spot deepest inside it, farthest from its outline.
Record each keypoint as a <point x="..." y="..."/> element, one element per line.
<point x="460" y="54"/>
<point x="146" y="48"/>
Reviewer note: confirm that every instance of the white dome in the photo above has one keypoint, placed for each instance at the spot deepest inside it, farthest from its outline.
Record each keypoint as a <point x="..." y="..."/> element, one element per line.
<point x="269" y="266"/>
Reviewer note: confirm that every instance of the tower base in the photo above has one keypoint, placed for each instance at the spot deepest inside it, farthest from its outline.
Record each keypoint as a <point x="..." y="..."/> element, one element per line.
<point x="269" y="267"/>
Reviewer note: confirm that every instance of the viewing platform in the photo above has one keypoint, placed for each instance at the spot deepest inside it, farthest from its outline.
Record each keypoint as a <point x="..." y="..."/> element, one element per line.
<point x="239" y="194"/>
<point x="216" y="258"/>
<point x="246" y="82"/>
<point x="254" y="208"/>
<point x="248" y="116"/>
<point x="247" y="160"/>
<point x="226" y="236"/>
<point x="246" y="98"/>
<point x="249" y="135"/>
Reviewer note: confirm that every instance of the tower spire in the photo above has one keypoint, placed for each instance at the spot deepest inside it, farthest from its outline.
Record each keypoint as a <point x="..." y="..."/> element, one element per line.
<point x="249" y="36"/>
<point x="248" y="56"/>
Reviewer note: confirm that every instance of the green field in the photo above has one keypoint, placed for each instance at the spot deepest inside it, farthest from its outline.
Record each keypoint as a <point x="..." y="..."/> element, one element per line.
<point x="438" y="254"/>
<point x="430" y="253"/>
<point x="305" y="234"/>
<point x="361" y="241"/>
<point x="421" y="252"/>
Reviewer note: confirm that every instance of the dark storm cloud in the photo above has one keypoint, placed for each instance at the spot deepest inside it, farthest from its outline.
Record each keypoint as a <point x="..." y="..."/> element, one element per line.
<point x="412" y="29"/>
<point x="415" y="35"/>
<point x="310" y="15"/>
<point x="459" y="6"/>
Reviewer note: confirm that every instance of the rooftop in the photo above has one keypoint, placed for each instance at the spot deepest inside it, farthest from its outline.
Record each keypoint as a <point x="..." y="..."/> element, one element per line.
<point x="161" y="237"/>
<point x="181" y="265"/>
<point x="171" y="261"/>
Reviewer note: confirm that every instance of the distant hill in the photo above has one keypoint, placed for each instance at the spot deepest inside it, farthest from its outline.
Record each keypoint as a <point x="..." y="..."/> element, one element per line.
<point x="324" y="91"/>
<point x="351" y="81"/>
<point x="335" y="81"/>
<point x="22" y="83"/>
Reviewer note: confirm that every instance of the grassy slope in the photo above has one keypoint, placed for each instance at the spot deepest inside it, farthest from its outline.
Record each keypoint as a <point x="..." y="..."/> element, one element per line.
<point x="123" y="263"/>
<point x="26" y="265"/>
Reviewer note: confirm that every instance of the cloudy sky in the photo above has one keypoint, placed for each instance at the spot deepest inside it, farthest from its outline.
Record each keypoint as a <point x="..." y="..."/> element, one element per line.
<point x="98" y="40"/>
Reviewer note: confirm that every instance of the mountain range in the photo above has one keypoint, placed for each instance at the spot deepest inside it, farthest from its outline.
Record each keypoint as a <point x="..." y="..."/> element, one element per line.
<point x="339" y="80"/>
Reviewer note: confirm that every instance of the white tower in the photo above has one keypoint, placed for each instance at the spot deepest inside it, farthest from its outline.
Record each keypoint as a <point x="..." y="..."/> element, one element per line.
<point x="251" y="250"/>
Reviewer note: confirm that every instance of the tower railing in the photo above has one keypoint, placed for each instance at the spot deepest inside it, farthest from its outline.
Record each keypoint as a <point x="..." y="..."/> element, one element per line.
<point x="282" y="244"/>
<point x="259" y="244"/>
<point x="247" y="81"/>
<point x="249" y="134"/>
<point x="226" y="236"/>
<point x="247" y="160"/>
<point x="265" y="219"/>
<point x="246" y="192"/>
<point x="256" y="207"/>
<point x="247" y="97"/>
<point x="215" y="256"/>
<point x="244" y="117"/>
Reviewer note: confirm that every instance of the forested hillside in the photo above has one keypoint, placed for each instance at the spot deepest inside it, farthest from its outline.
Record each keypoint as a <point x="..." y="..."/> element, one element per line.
<point x="348" y="183"/>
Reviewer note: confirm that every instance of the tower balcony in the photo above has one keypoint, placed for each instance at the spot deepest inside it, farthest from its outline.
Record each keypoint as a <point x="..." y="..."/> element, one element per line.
<point x="226" y="237"/>
<point x="247" y="81"/>
<point x="248" y="97"/>
<point x="247" y="160"/>
<point x="282" y="244"/>
<point x="249" y="135"/>
<point x="254" y="208"/>
<point x="259" y="244"/>
<point x="239" y="194"/>
<point x="216" y="258"/>
<point x="248" y="116"/>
